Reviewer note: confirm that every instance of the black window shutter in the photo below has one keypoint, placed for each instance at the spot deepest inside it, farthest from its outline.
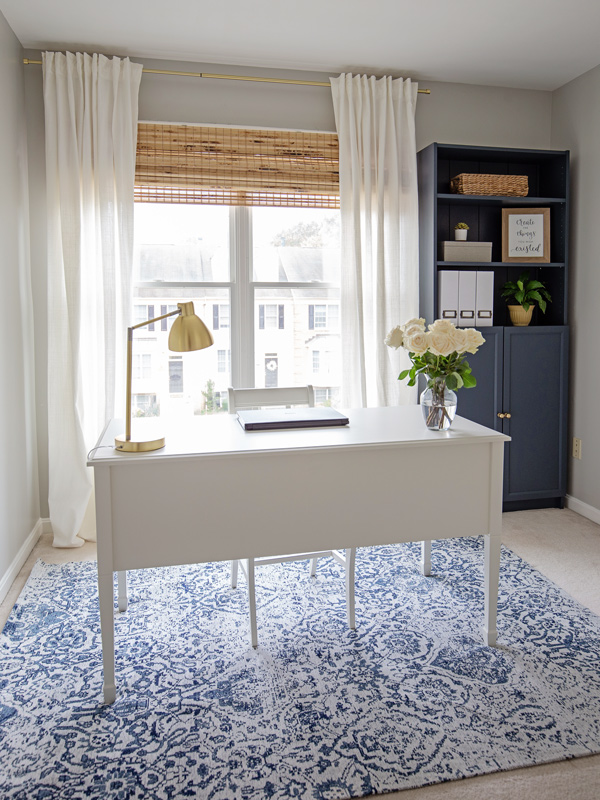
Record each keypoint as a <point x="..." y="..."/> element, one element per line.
<point x="261" y="317"/>
<point x="163" y="322"/>
<point x="311" y="318"/>
<point x="150" y="315"/>
<point x="280" y="317"/>
<point x="215" y="317"/>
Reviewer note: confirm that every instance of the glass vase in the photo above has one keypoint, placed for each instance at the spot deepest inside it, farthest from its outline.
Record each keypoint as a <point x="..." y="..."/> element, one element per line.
<point x="438" y="404"/>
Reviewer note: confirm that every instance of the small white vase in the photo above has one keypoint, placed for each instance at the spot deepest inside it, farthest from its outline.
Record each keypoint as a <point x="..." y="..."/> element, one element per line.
<point x="460" y="235"/>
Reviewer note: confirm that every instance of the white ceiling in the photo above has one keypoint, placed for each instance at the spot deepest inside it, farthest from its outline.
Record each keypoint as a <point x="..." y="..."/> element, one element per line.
<point x="536" y="44"/>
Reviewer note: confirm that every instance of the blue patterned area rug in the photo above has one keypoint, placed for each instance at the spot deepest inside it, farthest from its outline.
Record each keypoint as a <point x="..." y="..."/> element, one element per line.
<point x="412" y="697"/>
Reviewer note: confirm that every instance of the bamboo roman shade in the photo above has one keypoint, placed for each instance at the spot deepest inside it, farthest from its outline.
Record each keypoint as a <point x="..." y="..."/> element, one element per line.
<point x="235" y="166"/>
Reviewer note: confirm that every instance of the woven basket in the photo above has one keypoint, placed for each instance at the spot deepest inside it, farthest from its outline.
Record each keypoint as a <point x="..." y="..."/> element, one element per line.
<point x="501" y="185"/>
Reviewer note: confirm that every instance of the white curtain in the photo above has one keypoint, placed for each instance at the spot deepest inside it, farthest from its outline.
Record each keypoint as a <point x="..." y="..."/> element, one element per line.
<point x="375" y="121"/>
<point x="91" y="110"/>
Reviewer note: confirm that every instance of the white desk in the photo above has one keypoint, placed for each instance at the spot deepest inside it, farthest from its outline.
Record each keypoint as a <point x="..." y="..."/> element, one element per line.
<point x="383" y="479"/>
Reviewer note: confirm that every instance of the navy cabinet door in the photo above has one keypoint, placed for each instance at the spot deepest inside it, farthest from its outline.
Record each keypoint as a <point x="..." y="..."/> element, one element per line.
<point x="482" y="403"/>
<point x="535" y="396"/>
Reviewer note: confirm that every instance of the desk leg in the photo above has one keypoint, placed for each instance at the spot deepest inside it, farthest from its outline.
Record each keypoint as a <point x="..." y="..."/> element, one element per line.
<point x="350" y="603"/>
<point x="492" y="576"/>
<point x="105" y="578"/>
<point x="122" y="582"/>
<point x="107" y="630"/>
<point x="426" y="557"/>
<point x="252" y="602"/>
<point x="492" y="542"/>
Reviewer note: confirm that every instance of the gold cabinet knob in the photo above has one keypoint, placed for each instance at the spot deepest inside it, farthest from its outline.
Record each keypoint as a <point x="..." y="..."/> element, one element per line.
<point x="501" y="415"/>
<point x="507" y="416"/>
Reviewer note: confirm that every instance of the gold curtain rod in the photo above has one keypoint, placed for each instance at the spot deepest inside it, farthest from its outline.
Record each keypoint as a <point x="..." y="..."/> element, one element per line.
<point x="231" y="77"/>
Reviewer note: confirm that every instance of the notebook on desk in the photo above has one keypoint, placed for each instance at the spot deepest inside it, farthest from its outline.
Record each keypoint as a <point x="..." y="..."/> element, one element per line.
<point x="265" y="419"/>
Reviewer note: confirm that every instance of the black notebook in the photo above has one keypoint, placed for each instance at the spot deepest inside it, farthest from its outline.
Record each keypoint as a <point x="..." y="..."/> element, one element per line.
<point x="281" y="418"/>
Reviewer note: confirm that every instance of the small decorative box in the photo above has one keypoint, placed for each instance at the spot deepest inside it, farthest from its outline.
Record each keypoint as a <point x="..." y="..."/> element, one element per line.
<point x="466" y="251"/>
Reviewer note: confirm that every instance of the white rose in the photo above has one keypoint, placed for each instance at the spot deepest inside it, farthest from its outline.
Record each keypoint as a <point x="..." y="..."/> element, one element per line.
<point x="395" y="337"/>
<point x="442" y="326"/>
<point x="458" y="339"/>
<point x="412" y="323"/>
<point x="473" y="340"/>
<point x="417" y="343"/>
<point x="440" y="343"/>
<point x="412" y="331"/>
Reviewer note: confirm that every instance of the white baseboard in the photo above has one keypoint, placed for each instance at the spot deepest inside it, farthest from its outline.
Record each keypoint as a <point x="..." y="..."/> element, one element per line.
<point x="6" y="580"/>
<point x="583" y="508"/>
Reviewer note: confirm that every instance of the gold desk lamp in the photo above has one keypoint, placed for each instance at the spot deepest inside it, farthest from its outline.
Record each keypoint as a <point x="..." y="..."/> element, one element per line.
<point x="188" y="332"/>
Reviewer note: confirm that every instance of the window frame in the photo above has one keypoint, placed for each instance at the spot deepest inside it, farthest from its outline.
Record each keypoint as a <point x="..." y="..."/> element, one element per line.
<point x="242" y="290"/>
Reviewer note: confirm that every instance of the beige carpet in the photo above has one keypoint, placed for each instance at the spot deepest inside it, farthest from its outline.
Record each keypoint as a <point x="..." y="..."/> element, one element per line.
<point x="562" y="545"/>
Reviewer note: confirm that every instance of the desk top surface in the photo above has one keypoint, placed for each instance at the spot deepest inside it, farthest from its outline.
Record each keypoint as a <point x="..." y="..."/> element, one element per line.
<point x="222" y="434"/>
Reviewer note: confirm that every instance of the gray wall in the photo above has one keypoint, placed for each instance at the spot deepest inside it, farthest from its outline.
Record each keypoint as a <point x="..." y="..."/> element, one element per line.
<point x="19" y="493"/>
<point x="453" y="113"/>
<point x="576" y="127"/>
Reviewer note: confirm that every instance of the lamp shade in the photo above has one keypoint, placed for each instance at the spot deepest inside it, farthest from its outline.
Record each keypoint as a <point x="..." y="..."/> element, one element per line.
<point x="188" y="332"/>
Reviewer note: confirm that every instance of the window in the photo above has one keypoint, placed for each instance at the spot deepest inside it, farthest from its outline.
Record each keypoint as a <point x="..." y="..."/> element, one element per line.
<point x="142" y="366"/>
<point x="165" y="324"/>
<point x="270" y="316"/>
<point x="325" y="396"/>
<point x="324" y="362"/>
<point x="253" y="259"/>
<point x="273" y="292"/>
<point x="224" y="360"/>
<point x="220" y="316"/>
<point x="141" y="313"/>
<point x="323" y="316"/>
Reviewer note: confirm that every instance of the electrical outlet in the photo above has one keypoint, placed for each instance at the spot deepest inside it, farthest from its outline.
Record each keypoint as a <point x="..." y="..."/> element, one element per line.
<point x="576" y="448"/>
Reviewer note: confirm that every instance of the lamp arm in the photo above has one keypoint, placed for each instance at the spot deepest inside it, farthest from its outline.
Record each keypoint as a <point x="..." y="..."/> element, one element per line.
<point x="156" y="319"/>
<point x="130" y="331"/>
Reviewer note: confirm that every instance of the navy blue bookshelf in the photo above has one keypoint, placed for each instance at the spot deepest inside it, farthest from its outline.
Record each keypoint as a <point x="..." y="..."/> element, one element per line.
<point x="521" y="372"/>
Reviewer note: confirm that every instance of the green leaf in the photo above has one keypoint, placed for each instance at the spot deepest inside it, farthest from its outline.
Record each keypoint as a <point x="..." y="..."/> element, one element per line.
<point x="403" y="374"/>
<point x="469" y="381"/>
<point x="454" y="381"/>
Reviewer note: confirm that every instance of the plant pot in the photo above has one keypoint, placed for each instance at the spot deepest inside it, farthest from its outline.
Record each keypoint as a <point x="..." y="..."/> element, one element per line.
<point x="520" y="317"/>
<point x="460" y="235"/>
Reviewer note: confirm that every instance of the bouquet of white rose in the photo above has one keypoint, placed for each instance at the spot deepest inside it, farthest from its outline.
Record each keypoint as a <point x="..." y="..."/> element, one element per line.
<point x="439" y="352"/>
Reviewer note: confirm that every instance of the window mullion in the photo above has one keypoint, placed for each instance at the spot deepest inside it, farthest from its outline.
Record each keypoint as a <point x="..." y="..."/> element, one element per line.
<point x="242" y="298"/>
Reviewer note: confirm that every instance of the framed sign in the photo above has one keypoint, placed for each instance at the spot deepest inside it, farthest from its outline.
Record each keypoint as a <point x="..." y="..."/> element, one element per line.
<point x="526" y="235"/>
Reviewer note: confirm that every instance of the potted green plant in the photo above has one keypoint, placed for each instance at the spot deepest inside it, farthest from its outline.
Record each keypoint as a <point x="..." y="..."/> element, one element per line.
<point x="460" y="231"/>
<point x="527" y="293"/>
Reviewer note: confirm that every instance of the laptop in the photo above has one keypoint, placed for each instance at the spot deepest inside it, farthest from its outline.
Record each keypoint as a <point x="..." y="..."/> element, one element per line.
<point x="265" y="419"/>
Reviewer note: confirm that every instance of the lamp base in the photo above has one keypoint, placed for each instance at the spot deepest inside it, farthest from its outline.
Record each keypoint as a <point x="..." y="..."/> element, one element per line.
<point x="137" y="446"/>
